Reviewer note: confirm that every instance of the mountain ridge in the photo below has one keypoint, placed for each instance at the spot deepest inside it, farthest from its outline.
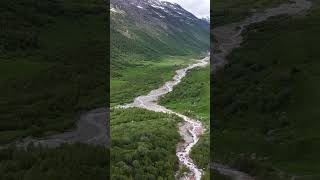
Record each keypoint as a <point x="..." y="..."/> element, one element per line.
<point x="156" y="27"/>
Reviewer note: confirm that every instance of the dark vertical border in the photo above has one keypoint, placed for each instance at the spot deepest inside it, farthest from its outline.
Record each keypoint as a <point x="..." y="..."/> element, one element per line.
<point x="108" y="59"/>
<point x="211" y="89"/>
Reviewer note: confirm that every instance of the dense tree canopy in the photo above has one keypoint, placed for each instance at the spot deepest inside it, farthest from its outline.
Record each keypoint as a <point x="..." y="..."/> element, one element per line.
<point x="53" y="64"/>
<point x="144" y="145"/>
<point x="68" y="162"/>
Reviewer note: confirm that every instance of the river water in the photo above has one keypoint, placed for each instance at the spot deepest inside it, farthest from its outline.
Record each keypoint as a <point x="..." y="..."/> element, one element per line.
<point x="190" y="131"/>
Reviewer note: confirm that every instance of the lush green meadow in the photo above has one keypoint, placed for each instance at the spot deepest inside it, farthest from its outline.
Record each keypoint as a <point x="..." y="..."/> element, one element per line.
<point x="266" y="100"/>
<point x="143" y="144"/>
<point x="138" y="75"/>
<point x="192" y="97"/>
<point x="53" y="64"/>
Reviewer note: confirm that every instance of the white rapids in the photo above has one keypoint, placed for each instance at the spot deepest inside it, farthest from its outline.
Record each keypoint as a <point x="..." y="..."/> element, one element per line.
<point x="190" y="131"/>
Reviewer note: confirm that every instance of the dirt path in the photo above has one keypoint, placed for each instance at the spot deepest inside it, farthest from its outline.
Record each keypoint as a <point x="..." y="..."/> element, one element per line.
<point x="190" y="131"/>
<point x="90" y="129"/>
<point x="229" y="37"/>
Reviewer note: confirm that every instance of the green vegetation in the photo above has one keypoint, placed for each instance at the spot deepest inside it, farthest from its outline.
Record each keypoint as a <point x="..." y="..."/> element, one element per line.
<point x="52" y="64"/>
<point x="143" y="144"/>
<point x="136" y="74"/>
<point x="267" y="99"/>
<point x="182" y="171"/>
<point x="129" y="36"/>
<point x="52" y="67"/>
<point x="68" y="162"/>
<point x="140" y="75"/>
<point x="227" y="11"/>
<point x="144" y="56"/>
<point x="192" y="97"/>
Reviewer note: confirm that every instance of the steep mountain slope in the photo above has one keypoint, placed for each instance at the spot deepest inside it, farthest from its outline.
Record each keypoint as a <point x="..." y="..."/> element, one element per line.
<point x="147" y="36"/>
<point x="153" y="27"/>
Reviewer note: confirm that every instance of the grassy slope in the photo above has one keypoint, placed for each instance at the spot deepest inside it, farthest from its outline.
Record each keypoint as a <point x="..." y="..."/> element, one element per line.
<point x="148" y="56"/>
<point x="266" y="100"/>
<point x="143" y="144"/>
<point x="192" y="97"/>
<point x="52" y="65"/>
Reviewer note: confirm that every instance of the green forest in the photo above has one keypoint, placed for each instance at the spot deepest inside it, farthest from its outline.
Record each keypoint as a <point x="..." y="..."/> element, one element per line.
<point x="143" y="144"/>
<point x="53" y="67"/>
<point x="45" y="50"/>
<point x="267" y="98"/>
<point x="68" y="162"/>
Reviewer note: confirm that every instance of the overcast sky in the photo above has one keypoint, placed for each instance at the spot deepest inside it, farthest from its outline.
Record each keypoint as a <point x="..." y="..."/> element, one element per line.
<point x="200" y="8"/>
